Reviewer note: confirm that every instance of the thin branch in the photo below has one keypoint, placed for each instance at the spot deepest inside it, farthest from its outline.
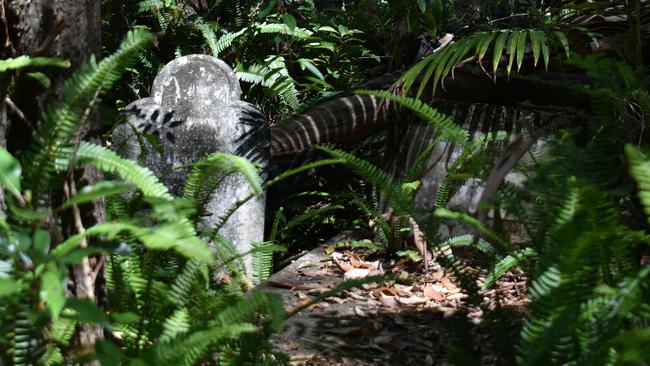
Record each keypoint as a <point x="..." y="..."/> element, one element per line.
<point x="5" y="25"/>
<point x="88" y="276"/>
<point x="47" y="42"/>
<point x="15" y="110"/>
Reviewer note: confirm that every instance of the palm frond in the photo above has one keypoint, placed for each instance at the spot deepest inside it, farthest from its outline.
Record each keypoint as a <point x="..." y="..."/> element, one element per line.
<point x="512" y="42"/>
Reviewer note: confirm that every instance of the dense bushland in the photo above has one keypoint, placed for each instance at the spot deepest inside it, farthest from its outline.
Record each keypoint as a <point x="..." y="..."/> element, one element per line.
<point x="584" y="203"/>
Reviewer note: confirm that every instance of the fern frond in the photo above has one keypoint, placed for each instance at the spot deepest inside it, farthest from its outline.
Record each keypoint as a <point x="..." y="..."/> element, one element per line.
<point x="258" y="302"/>
<point x="640" y="171"/>
<point x="262" y="262"/>
<point x="175" y="325"/>
<point x="445" y="125"/>
<point x="447" y="214"/>
<point x="109" y="162"/>
<point x="469" y="151"/>
<point x="187" y="351"/>
<point x="179" y="235"/>
<point x="59" y="124"/>
<point x="469" y="240"/>
<point x="274" y="76"/>
<point x="399" y="200"/>
<point x="182" y="285"/>
<point x="207" y="31"/>
<point x="236" y="163"/>
<point x="26" y="61"/>
<point x="225" y="41"/>
<point x="511" y="260"/>
<point x="281" y="28"/>
<point x="208" y="173"/>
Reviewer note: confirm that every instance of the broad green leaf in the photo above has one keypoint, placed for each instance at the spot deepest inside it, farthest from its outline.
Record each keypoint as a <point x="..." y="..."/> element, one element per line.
<point x="422" y="4"/>
<point x="125" y="317"/>
<point x="521" y="48"/>
<point x="328" y="29"/>
<point x="52" y="291"/>
<point x="41" y="242"/>
<point x="536" y="43"/>
<point x="10" y="172"/>
<point x="564" y="42"/>
<point x="498" y="50"/>
<point x="90" y="193"/>
<point x="546" y="53"/>
<point x="485" y="39"/>
<point x="512" y="50"/>
<point x="177" y="236"/>
<point x="84" y="311"/>
<point x="22" y="214"/>
<point x="26" y="61"/>
<point x="306" y="64"/>
<point x="290" y="21"/>
<point x="108" y="354"/>
<point x="9" y="286"/>
<point x="78" y="254"/>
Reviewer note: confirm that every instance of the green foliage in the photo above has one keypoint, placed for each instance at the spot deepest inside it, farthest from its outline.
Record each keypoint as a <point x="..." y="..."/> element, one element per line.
<point x="59" y="124"/>
<point x="163" y="304"/>
<point x="513" y="42"/>
<point x="26" y="61"/>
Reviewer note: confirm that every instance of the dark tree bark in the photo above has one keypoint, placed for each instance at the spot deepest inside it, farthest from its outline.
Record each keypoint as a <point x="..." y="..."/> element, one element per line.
<point x="69" y="29"/>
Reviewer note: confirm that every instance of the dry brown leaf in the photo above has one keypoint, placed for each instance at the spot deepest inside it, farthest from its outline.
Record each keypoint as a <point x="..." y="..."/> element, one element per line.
<point x="285" y="285"/>
<point x="335" y="299"/>
<point x="358" y="311"/>
<point x="437" y="276"/>
<point x="305" y="264"/>
<point x="446" y="283"/>
<point x="384" y="339"/>
<point x="412" y="300"/>
<point x="338" y="260"/>
<point x="388" y="301"/>
<point x="320" y="273"/>
<point x="357" y="273"/>
<point x="302" y="357"/>
<point x="431" y="293"/>
<point x="456" y="296"/>
<point x="439" y="288"/>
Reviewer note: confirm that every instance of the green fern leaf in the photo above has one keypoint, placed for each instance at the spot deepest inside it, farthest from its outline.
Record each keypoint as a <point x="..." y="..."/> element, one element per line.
<point x="640" y="170"/>
<point x="504" y="265"/>
<point x="59" y="124"/>
<point x="26" y="61"/>
<point x="445" y="125"/>
<point x="108" y="161"/>
<point x="175" y="325"/>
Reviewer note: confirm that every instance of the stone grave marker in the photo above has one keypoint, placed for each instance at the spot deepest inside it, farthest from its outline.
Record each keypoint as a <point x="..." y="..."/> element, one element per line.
<point x="194" y="110"/>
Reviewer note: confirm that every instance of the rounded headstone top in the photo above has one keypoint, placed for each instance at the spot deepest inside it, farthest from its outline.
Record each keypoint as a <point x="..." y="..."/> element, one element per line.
<point x="200" y="83"/>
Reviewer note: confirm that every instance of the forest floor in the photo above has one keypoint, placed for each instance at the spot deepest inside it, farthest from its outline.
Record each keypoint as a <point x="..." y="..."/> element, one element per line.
<point x="420" y="318"/>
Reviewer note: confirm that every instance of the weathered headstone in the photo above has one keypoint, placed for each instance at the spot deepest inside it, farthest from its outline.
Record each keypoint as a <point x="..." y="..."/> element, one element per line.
<point x="194" y="110"/>
<point x="464" y="195"/>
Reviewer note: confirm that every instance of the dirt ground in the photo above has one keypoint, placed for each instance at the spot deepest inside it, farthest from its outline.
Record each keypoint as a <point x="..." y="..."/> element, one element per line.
<point x="420" y="317"/>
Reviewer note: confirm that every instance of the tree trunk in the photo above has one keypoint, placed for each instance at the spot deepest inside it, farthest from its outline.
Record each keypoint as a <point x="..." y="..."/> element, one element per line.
<point x="69" y="29"/>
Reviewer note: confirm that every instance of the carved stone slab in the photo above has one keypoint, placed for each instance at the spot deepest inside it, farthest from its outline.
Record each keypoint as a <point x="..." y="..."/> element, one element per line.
<point x="194" y="110"/>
